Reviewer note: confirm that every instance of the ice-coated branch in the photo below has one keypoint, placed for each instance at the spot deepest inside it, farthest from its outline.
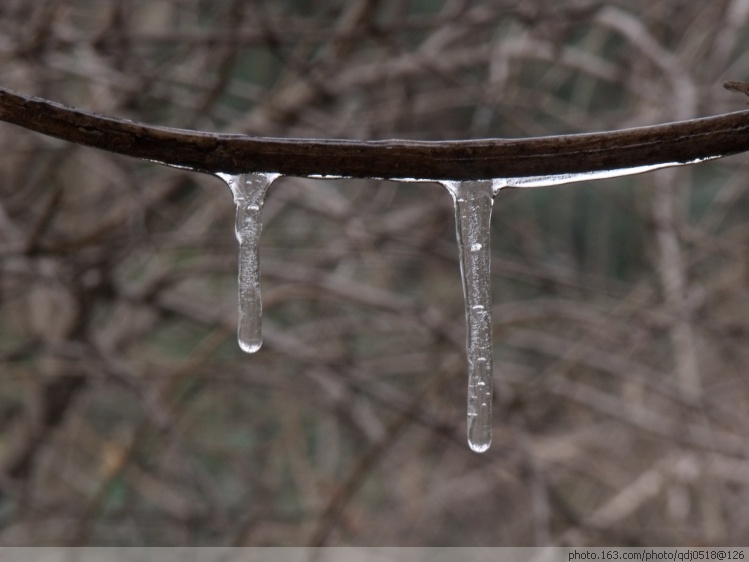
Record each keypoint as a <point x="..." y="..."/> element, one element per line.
<point x="671" y="143"/>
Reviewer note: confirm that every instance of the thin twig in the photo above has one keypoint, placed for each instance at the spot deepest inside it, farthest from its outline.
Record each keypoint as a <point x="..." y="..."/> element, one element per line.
<point x="671" y="143"/>
<point x="740" y="87"/>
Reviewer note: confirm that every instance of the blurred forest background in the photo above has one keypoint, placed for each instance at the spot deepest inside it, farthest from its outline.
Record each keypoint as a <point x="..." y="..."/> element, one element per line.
<point x="128" y="414"/>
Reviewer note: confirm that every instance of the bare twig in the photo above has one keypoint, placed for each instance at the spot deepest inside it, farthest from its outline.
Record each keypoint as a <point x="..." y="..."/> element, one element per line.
<point x="672" y="143"/>
<point x="740" y="87"/>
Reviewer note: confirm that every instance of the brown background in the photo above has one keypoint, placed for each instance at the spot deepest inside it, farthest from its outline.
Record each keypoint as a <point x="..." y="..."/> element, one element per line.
<point x="128" y="415"/>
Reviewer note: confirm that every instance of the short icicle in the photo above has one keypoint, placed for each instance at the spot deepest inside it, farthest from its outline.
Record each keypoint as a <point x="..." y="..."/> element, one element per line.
<point x="249" y="192"/>
<point x="473" y="208"/>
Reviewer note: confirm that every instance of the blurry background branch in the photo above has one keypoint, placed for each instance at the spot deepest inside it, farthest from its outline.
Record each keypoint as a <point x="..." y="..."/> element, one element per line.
<point x="129" y="416"/>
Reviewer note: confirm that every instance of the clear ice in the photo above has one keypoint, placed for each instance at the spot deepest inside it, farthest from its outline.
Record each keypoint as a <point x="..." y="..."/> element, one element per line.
<point x="559" y="179"/>
<point x="473" y="208"/>
<point x="249" y="192"/>
<point x="473" y="211"/>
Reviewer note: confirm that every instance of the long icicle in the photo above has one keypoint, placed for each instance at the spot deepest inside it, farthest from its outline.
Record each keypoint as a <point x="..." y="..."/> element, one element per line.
<point x="473" y="209"/>
<point x="249" y="192"/>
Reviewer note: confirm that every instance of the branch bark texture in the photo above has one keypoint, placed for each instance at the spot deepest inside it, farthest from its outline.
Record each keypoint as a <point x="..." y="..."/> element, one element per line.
<point x="680" y="142"/>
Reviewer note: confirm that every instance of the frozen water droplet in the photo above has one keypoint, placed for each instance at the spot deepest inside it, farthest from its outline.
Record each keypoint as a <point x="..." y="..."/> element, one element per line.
<point x="249" y="192"/>
<point x="473" y="209"/>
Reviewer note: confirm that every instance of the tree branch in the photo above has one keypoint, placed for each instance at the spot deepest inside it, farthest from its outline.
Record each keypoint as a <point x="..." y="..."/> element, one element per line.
<point x="670" y="143"/>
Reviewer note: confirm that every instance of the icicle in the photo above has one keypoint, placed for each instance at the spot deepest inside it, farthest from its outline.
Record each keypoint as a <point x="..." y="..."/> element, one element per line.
<point x="473" y="209"/>
<point x="249" y="194"/>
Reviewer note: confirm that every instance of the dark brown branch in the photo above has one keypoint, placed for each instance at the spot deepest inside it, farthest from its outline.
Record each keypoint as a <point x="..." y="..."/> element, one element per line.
<point x="685" y="141"/>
